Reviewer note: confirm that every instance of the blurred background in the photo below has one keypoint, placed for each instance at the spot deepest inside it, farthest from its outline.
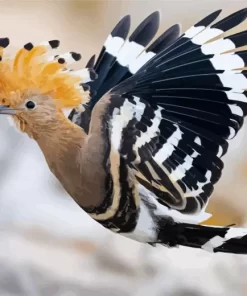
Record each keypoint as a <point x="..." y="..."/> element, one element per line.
<point x="48" y="246"/>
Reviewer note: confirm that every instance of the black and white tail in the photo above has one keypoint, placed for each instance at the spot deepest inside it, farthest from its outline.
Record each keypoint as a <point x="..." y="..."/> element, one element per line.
<point x="209" y="238"/>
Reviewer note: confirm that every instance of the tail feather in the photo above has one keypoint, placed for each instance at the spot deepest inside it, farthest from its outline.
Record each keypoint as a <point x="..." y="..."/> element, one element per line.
<point x="209" y="238"/>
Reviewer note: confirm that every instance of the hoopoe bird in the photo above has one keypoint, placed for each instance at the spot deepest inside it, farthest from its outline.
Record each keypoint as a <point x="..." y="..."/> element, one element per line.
<point x="141" y="150"/>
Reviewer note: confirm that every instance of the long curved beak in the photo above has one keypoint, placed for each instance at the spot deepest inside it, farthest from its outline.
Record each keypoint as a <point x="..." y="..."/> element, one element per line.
<point x="7" y="110"/>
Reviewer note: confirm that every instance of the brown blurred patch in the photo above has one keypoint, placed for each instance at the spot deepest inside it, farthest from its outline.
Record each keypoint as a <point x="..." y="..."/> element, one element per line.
<point x="223" y="214"/>
<point x="42" y="237"/>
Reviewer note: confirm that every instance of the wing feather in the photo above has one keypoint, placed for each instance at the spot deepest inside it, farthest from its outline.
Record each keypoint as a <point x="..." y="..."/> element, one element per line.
<point x="179" y="110"/>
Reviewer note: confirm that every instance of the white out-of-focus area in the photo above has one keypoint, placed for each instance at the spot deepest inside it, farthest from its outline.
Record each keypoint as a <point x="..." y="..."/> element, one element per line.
<point x="48" y="245"/>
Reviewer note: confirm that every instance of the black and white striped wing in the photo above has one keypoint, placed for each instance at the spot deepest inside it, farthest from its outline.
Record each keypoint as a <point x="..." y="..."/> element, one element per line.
<point x="122" y="57"/>
<point x="172" y="120"/>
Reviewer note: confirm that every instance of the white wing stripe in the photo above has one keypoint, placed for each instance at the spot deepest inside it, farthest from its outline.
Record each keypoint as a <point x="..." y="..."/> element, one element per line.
<point x="168" y="148"/>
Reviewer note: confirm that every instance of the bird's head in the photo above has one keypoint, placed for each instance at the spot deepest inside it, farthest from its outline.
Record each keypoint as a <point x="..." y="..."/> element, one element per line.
<point x="35" y="87"/>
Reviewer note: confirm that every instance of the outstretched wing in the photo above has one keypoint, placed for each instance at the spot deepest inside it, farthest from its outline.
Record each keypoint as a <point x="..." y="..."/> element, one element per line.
<point x="121" y="57"/>
<point x="172" y="120"/>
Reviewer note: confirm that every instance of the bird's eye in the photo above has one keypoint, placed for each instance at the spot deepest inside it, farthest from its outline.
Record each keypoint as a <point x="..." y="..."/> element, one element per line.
<point x="30" y="105"/>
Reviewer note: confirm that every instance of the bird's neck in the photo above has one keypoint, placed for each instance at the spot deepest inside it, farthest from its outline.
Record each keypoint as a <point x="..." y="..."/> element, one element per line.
<point x="59" y="136"/>
<point x="74" y="162"/>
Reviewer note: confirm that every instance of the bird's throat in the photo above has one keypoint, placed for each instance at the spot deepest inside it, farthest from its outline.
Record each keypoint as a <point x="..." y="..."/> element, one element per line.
<point x="73" y="163"/>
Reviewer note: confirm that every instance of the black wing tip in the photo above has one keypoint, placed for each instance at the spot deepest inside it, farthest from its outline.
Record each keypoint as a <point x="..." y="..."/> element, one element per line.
<point x="91" y="61"/>
<point x="146" y="30"/>
<point x="242" y="14"/>
<point x="209" y="18"/>
<point x="154" y="15"/>
<point x="167" y="38"/>
<point x="93" y="75"/>
<point x="239" y="12"/>
<point x="232" y="20"/>
<point x="176" y="27"/>
<point x="122" y="28"/>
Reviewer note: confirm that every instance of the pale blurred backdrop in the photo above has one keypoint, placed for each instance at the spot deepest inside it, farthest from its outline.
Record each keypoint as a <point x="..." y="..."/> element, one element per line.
<point x="48" y="246"/>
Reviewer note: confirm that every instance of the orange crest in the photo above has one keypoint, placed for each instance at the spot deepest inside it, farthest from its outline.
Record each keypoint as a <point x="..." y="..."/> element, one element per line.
<point x="33" y="70"/>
